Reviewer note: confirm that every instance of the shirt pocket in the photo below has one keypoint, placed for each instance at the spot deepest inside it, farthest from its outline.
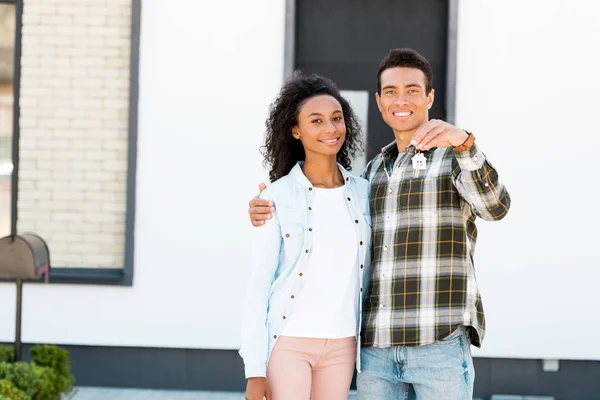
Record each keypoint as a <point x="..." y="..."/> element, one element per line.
<point x="293" y="240"/>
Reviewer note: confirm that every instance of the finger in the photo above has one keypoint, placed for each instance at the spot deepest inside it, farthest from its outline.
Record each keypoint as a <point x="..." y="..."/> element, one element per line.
<point x="258" y="203"/>
<point x="432" y="137"/>
<point x="260" y="217"/>
<point x="269" y="396"/>
<point x="257" y="223"/>
<point x="424" y="131"/>
<point x="261" y="210"/>
<point x="261" y="187"/>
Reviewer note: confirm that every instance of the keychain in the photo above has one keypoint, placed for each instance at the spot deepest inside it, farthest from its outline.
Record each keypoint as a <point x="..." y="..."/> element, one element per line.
<point x="419" y="162"/>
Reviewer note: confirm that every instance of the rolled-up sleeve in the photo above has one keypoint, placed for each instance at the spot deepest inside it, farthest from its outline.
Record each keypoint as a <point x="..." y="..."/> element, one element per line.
<point x="478" y="183"/>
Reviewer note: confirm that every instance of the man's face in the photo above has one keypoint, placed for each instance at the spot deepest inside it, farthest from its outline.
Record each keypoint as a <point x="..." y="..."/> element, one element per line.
<point x="403" y="103"/>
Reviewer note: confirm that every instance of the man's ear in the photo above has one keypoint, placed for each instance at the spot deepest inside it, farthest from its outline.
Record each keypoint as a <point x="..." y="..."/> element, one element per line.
<point x="377" y="100"/>
<point x="430" y="98"/>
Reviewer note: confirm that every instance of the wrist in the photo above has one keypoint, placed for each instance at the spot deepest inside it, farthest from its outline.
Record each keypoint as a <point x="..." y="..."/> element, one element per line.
<point x="467" y="143"/>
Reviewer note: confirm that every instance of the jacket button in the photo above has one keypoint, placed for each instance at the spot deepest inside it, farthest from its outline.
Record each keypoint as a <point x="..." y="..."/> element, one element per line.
<point x="274" y="336"/>
<point x="309" y="188"/>
<point x="284" y="315"/>
<point x="361" y="266"/>
<point x="347" y="179"/>
<point x="356" y="221"/>
<point x="309" y="208"/>
<point x="307" y="250"/>
<point x="301" y="274"/>
<point x="292" y="296"/>
<point x="349" y="199"/>
<point x="310" y="229"/>
<point x="287" y="235"/>
<point x="361" y="242"/>
<point x="360" y="290"/>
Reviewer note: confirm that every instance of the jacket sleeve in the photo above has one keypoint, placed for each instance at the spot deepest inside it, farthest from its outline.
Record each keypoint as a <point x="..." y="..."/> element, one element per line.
<point x="477" y="181"/>
<point x="265" y="260"/>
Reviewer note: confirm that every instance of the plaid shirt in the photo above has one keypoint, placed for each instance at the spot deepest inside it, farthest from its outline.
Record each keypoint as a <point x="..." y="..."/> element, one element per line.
<point x="423" y="283"/>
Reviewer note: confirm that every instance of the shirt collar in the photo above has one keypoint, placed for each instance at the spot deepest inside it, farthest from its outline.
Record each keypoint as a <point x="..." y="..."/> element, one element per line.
<point x="298" y="176"/>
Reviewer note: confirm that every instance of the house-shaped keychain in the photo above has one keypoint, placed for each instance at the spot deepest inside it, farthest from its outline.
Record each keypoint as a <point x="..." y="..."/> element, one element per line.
<point x="419" y="162"/>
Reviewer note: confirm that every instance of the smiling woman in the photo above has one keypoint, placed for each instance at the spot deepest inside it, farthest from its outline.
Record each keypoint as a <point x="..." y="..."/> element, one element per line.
<point x="7" y="48"/>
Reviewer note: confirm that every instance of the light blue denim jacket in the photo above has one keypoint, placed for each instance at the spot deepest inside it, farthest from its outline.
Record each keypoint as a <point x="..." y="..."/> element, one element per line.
<point x="282" y="250"/>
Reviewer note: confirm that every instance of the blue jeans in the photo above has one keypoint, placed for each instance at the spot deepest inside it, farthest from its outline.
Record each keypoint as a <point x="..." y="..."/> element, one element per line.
<point x="438" y="371"/>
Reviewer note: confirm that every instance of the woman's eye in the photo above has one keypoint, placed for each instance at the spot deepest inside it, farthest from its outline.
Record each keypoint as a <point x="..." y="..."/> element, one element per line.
<point x="337" y="118"/>
<point x="316" y="121"/>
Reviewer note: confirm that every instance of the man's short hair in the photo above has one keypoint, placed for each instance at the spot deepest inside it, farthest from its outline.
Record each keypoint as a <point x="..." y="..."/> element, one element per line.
<point x="406" y="58"/>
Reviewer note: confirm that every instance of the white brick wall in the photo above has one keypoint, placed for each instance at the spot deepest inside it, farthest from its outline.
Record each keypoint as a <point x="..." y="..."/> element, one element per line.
<point x="74" y="115"/>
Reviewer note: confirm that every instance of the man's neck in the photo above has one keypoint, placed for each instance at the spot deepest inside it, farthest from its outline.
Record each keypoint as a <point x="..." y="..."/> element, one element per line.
<point x="322" y="172"/>
<point x="403" y="139"/>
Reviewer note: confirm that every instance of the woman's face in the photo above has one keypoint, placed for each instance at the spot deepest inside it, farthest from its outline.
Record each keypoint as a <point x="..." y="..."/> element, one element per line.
<point x="321" y="127"/>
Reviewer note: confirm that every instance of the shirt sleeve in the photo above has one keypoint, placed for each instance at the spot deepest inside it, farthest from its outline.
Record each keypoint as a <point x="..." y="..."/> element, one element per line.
<point x="478" y="183"/>
<point x="255" y="341"/>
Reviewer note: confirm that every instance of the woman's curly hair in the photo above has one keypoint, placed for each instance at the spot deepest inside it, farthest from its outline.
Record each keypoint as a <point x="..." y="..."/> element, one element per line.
<point x="281" y="150"/>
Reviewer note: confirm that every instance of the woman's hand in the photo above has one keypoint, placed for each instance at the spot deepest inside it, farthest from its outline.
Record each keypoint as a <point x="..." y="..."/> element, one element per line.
<point x="258" y="389"/>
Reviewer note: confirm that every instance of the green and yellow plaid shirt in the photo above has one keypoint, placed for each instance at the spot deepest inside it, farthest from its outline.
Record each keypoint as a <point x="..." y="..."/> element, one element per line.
<point x="423" y="283"/>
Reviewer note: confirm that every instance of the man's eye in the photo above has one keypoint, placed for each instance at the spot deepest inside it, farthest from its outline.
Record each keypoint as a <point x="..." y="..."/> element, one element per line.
<point x="413" y="91"/>
<point x="389" y="92"/>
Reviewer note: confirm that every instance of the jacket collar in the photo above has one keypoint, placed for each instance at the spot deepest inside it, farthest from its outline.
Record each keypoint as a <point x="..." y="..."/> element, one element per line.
<point x="298" y="176"/>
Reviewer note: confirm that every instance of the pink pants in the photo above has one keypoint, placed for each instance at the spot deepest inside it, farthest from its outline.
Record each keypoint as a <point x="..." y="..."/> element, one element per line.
<point x="315" y="369"/>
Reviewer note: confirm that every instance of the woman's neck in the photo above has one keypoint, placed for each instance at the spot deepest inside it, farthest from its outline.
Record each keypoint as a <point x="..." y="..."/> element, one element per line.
<point x="323" y="172"/>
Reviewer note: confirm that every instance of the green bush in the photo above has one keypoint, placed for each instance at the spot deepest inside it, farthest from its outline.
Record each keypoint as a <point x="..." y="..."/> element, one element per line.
<point x="8" y="391"/>
<point x="7" y="354"/>
<point x="47" y="377"/>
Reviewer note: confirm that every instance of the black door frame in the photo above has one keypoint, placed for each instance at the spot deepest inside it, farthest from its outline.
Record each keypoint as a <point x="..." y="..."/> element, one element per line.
<point x="289" y="59"/>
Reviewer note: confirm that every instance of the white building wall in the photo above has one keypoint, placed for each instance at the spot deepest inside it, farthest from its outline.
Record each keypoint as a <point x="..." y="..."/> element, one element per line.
<point x="528" y="85"/>
<point x="207" y="75"/>
<point x="527" y="78"/>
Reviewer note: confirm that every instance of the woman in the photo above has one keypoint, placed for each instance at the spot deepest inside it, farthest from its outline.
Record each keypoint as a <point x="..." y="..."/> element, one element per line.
<point x="302" y="312"/>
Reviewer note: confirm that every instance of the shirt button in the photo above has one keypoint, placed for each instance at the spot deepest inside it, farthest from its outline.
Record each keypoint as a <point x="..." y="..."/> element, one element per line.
<point x="384" y="248"/>
<point x="387" y="217"/>
<point x="349" y="199"/>
<point x="381" y="306"/>
<point x="292" y="296"/>
<point x="361" y="242"/>
<point x="383" y="275"/>
<point x="486" y="184"/>
<point x="310" y="229"/>
<point x="300" y="274"/>
<point x="361" y="266"/>
<point x="475" y="158"/>
<point x="309" y="208"/>
<point x="306" y="251"/>
<point x="347" y="179"/>
<point x="309" y="188"/>
<point x="274" y="336"/>
<point x="356" y="221"/>
<point x="389" y="191"/>
<point x="287" y="235"/>
<point x="361" y="289"/>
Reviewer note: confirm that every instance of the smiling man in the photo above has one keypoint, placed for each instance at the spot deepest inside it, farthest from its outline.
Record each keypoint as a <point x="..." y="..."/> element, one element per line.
<point x="422" y="309"/>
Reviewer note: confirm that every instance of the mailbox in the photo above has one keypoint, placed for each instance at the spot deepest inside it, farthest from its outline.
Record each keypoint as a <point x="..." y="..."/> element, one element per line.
<point x="24" y="257"/>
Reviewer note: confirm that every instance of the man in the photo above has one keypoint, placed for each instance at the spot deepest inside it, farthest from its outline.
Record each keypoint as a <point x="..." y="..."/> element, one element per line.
<point x="423" y="308"/>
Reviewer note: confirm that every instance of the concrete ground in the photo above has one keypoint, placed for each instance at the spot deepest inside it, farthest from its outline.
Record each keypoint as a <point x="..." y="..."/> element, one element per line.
<point x="91" y="393"/>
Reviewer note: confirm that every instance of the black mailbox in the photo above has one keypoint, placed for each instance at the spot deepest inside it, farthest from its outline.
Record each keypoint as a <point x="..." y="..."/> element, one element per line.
<point x="23" y="258"/>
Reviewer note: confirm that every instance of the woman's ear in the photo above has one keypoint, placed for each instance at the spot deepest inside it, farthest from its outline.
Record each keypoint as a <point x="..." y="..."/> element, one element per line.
<point x="296" y="132"/>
